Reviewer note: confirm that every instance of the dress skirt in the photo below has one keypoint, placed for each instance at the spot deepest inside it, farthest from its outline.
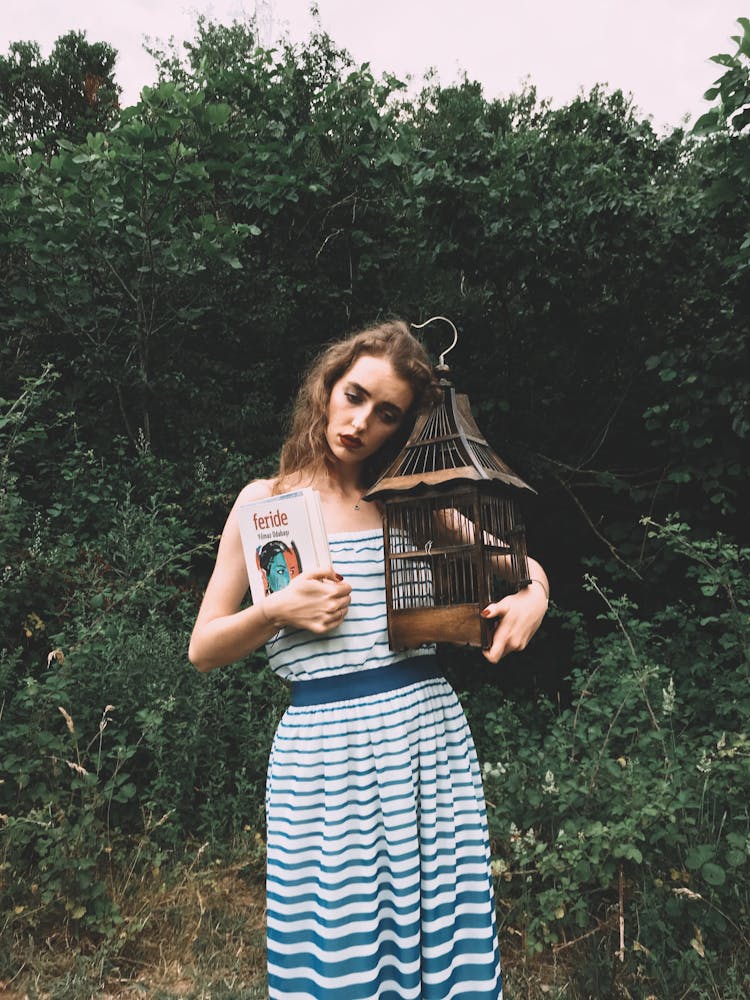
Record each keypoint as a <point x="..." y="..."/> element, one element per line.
<point x="378" y="880"/>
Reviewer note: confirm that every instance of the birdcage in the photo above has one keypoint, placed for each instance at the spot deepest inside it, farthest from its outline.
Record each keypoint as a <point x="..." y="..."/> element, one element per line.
<point x="452" y="536"/>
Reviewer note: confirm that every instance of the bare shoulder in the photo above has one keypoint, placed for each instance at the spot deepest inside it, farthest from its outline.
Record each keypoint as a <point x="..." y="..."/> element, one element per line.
<point x="259" y="489"/>
<point x="228" y="582"/>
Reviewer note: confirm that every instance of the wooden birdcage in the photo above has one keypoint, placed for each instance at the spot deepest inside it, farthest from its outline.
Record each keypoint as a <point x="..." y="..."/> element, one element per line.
<point x="452" y="537"/>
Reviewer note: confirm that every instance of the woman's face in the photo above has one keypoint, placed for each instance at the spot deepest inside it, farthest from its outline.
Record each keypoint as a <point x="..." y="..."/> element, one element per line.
<point x="367" y="406"/>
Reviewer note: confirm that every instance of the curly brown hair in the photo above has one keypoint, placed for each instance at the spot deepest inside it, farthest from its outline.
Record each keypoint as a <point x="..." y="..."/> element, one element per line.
<point x="305" y="452"/>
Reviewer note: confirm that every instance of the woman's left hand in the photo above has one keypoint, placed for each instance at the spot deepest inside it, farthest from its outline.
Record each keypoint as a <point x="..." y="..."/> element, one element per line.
<point x="518" y="616"/>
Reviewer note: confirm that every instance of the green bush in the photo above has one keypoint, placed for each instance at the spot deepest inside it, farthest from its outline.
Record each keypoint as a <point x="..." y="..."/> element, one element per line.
<point x="643" y="778"/>
<point x="111" y="742"/>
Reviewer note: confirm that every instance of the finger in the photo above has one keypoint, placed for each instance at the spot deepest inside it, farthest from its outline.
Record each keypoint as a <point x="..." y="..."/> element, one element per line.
<point x="496" y="609"/>
<point x="496" y="651"/>
<point x="324" y="574"/>
<point x="335" y="617"/>
<point x="500" y="642"/>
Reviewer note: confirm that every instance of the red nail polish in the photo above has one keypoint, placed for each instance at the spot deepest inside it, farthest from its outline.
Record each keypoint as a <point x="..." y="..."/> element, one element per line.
<point x="485" y="613"/>
<point x="339" y="577"/>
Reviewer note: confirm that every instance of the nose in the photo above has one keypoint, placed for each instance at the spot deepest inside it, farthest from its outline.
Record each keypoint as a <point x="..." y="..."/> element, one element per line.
<point x="359" y="420"/>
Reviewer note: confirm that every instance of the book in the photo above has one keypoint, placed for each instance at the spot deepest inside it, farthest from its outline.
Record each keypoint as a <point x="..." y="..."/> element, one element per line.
<point x="282" y="536"/>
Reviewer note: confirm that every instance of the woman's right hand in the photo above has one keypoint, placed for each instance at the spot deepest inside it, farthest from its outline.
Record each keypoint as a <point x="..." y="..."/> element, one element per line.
<point x="224" y="631"/>
<point x="317" y="601"/>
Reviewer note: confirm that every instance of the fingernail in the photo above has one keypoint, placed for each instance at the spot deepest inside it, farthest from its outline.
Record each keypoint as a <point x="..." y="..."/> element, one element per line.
<point x="485" y="613"/>
<point x="339" y="577"/>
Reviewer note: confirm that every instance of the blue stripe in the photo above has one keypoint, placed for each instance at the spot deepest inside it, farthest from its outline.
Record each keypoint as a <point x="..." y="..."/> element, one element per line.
<point x="329" y="654"/>
<point x="345" y="687"/>
<point x="290" y="640"/>
<point x="363" y="989"/>
<point x="354" y="780"/>
<point x="363" y="903"/>
<point x="296" y="722"/>
<point x="362" y="965"/>
<point x="304" y="640"/>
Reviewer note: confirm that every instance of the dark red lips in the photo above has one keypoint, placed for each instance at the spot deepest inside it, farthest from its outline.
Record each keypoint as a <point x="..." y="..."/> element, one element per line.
<point x="350" y="442"/>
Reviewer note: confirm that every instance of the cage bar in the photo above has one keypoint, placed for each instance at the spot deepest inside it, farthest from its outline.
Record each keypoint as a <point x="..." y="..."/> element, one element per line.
<point x="453" y="540"/>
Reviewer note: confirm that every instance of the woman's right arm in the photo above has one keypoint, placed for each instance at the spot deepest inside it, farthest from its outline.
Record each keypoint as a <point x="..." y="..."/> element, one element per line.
<point x="224" y="633"/>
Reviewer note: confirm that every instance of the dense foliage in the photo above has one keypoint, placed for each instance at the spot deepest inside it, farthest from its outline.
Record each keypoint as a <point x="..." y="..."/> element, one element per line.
<point x="70" y="93"/>
<point x="166" y="272"/>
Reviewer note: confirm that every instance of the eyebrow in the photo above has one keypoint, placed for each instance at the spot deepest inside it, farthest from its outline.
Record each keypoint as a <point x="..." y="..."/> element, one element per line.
<point x="385" y="404"/>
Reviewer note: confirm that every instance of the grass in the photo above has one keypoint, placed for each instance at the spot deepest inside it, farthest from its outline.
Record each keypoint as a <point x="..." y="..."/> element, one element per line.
<point x="198" y="933"/>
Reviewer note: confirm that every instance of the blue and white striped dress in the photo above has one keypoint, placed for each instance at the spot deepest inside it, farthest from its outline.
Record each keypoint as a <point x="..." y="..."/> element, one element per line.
<point x="378" y="880"/>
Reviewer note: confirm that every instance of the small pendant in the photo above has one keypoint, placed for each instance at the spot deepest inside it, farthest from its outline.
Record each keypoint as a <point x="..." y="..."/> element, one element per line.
<point x="356" y="506"/>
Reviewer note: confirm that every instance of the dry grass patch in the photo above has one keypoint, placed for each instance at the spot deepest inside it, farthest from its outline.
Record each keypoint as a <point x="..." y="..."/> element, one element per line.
<point x="199" y="933"/>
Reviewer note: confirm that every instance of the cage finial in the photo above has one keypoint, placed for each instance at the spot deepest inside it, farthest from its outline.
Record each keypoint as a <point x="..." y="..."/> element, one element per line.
<point x="418" y="326"/>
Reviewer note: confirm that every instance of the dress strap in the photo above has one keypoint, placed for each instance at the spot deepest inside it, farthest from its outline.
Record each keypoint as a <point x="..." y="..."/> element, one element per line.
<point x="361" y="683"/>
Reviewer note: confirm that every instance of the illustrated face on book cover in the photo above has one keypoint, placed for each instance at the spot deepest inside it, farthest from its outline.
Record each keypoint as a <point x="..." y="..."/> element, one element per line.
<point x="279" y="564"/>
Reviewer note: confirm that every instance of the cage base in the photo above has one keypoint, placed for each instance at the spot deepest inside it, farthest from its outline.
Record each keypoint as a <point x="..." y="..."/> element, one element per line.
<point x="460" y="624"/>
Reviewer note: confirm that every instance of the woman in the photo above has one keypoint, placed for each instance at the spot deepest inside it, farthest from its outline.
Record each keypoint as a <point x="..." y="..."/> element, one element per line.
<point x="378" y="883"/>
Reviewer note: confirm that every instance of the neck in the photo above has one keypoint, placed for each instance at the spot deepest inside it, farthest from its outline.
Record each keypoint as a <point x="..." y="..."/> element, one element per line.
<point x="344" y="482"/>
<point x="336" y="481"/>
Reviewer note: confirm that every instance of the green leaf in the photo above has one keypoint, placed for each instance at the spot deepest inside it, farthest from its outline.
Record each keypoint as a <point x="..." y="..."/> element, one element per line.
<point x="126" y="792"/>
<point x="739" y="121"/>
<point x="744" y="45"/>
<point x="706" y="123"/>
<point x="582" y="870"/>
<point x="735" y="857"/>
<point x="629" y="852"/>
<point x="217" y="114"/>
<point x="699" y="855"/>
<point x="713" y="874"/>
<point x="724" y="59"/>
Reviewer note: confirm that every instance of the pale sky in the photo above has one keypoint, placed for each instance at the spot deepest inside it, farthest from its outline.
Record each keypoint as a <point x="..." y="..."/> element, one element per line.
<point x="658" y="50"/>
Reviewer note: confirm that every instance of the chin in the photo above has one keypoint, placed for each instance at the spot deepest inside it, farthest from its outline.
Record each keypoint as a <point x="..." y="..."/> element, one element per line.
<point x="348" y="455"/>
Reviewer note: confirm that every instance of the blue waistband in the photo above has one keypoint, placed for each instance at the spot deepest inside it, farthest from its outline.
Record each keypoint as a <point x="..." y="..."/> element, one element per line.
<point x="361" y="683"/>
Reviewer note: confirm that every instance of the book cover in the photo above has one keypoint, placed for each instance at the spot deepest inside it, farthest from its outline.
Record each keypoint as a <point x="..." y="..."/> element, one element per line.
<point x="282" y="536"/>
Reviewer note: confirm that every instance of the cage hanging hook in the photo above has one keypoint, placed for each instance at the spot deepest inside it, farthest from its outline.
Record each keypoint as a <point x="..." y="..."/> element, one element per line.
<point x="418" y="326"/>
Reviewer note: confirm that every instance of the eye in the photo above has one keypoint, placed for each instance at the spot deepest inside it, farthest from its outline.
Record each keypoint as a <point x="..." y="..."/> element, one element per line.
<point x="353" y="397"/>
<point x="388" y="417"/>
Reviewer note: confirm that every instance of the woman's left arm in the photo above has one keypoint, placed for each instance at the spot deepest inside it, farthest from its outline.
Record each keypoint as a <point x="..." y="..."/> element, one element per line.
<point x="518" y="615"/>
